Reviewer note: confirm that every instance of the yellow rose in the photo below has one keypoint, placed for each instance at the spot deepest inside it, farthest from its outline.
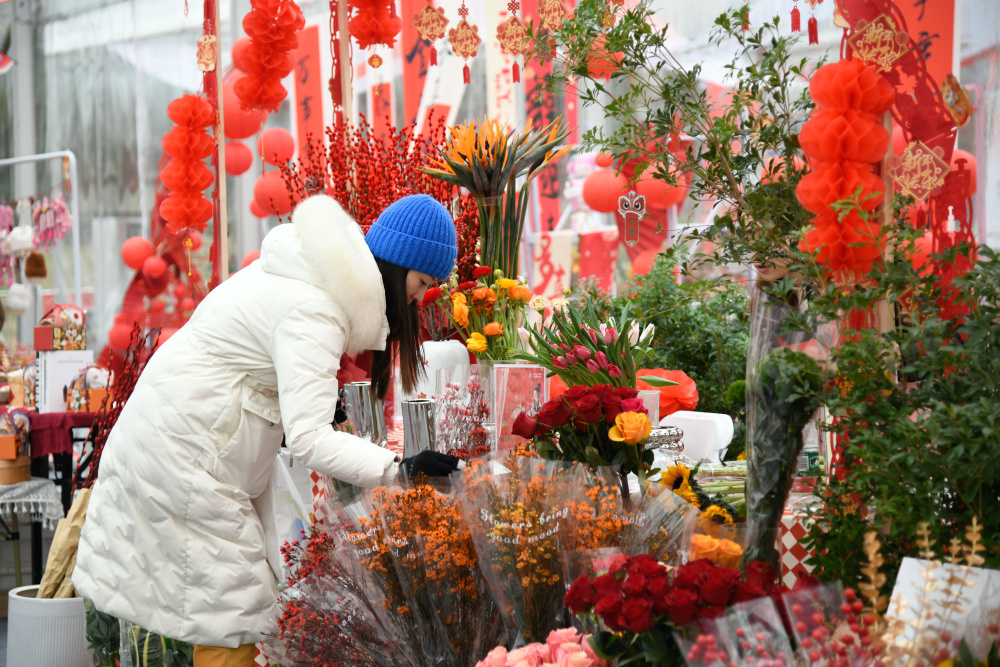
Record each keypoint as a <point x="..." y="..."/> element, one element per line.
<point x="630" y="428"/>
<point x="476" y="343"/>
<point x="493" y="329"/>
<point x="704" y="546"/>
<point x="460" y="312"/>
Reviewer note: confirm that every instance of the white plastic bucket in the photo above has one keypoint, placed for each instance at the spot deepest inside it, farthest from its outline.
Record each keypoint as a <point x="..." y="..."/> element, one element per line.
<point x="46" y="633"/>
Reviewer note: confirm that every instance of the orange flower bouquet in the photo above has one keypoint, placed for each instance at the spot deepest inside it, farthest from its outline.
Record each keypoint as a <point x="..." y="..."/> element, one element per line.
<point x="487" y="311"/>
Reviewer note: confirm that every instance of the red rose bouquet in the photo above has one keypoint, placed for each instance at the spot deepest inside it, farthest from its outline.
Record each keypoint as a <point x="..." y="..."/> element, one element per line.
<point x="598" y="425"/>
<point x="637" y="605"/>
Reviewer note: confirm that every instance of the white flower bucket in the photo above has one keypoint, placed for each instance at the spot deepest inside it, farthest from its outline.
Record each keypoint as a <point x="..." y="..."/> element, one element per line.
<point x="46" y="633"/>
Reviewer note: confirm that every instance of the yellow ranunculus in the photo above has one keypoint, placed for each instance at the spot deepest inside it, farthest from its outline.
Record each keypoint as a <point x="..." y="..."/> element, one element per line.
<point x="493" y="329"/>
<point x="630" y="428"/>
<point x="506" y="283"/>
<point x="460" y="312"/>
<point x="476" y="343"/>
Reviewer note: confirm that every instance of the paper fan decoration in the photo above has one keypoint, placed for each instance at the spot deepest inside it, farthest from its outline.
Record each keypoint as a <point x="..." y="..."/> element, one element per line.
<point x="431" y="23"/>
<point x="464" y="39"/>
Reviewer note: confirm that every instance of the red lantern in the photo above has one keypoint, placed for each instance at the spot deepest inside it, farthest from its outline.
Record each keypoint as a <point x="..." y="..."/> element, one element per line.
<point x="165" y="334"/>
<point x="250" y="258"/>
<point x="374" y="22"/>
<point x="851" y="84"/>
<point x="271" y="194"/>
<point x="601" y="64"/>
<point x="661" y="196"/>
<point x="832" y="134"/>
<point x="158" y="306"/>
<point x="276" y="145"/>
<point x="180" y="289"/>
<point x="602" y="189"/>
<point x="135" y="251"/>
<point x="186" y="304"/>
<point x="239" y="158"/>
<point x="240" y="53"/>
<point x="239" y="124"/>
<point x="154" y="267"/>
<point x="257" y="211"/>
<point x="120" y="336"/>
<point x="644" y="262"/>
<point x="604" y="160"/>
<point x="898" y="140"/>
<point x="195" y="241"/>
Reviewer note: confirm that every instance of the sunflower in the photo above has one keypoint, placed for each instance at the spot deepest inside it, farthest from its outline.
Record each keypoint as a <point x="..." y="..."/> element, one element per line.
<point x="717" y="514"/>
<point x="687" y="493"/>
<point x="676" y="476"/>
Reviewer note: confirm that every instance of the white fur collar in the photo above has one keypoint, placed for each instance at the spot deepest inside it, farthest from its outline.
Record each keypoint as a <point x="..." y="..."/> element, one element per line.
<point x="335" y="250"/>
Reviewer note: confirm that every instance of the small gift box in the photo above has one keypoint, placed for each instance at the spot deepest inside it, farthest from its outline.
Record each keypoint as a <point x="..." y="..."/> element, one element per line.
<point x="64" y="327"/>
<point x="87" y="390"/>
<point x="14" y="441"/>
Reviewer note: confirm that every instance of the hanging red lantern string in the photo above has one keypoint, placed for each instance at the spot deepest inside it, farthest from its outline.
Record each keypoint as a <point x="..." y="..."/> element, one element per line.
<point x="271" y="26"/>
<point x="374" y="23"/>
<point x="431" y="23"/>
<point x="186" y="176"/>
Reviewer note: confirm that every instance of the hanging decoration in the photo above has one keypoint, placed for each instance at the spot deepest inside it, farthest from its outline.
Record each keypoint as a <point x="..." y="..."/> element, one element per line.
<point x="513" y="37"/>
<point x="52" y="220"/>
<point x="632" y="207"/>
<point x="813" y="25"/>
<point x="553" y="14"/>
<point x="186" y="175"/>
<point x="464" y="39"/>
<point x="206" y="53"/>
<point x="431" y="23"/>
<point x="374" y="23"/>
<point x="271" y="26"/>
<point x="843" y="137"/>
<point x="796" y="18"/>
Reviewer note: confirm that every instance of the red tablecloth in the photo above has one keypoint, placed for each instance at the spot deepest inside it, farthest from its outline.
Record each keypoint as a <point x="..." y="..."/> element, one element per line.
<point x="50" y="431"/>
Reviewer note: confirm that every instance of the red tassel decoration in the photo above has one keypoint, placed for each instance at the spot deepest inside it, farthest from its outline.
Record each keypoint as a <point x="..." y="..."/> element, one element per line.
<point x="434" y="56"/>
<point x="517" y="72"/>
<point x="796" y="20"/>
<point x="813" y="31"/>
<point x="465" y="75"/>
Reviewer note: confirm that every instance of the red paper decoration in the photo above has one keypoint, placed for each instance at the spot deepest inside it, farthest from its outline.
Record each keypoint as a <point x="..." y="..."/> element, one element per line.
<point x="600" y="63"/>
<point x="186" y="176"/>
<point x="602" y="188"/>
<point x="257" y="210"/>
<point x="276" y="145"/>
<point x="841" y="139"/>
<point x="240" y="47"/>
<point x="431" y="23"/>
<point x="271" y="26"/>
<point x="374" y="23"/>
<point x="239" y="124"/>
<point x="513" y="37"/>
<point x="154" y="267"/>
<point x="239" y="158"/>
<point x="969" y="163"/>
<point x="464" y="39"/>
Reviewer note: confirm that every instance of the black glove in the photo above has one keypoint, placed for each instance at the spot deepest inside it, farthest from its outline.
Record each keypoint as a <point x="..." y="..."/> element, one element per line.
<point x="340" y="414"/>
<point x="432" y="464"/>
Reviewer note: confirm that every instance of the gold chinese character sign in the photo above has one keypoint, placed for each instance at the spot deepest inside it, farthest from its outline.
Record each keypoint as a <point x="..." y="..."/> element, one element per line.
<point x="878" y="43"/>
<point x="919" y="171"/>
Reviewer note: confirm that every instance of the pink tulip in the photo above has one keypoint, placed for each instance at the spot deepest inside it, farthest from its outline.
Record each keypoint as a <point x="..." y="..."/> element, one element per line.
<point x="633" y="333"/>
<point x="593" y="335"/>
<point x="614" y="371"/>
<point x="610" y="335"/>
<point x="560" y="362"/>
<point x="571" y="359"/>
<point x="524" y="334"/>
<point x="581" y="352"/>
<point x="593" y="366"/>
<point x="602" y="360"/>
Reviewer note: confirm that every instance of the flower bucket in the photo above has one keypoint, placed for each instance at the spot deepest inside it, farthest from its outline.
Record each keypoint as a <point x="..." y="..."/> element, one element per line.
<point x="46" y="632"/>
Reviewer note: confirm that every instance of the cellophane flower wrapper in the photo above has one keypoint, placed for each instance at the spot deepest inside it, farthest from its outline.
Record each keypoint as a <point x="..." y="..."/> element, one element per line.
<point x="517" y="520"/>
<point x="724" y="544"/>
<point x="656" y="526"/>
<point x="819" y="614"/>
<point x="462" y="409"/>
<point x="436" y="564"/>
<point x="705" y="643"/>
<point x="755" y="635"/>
<point x="332" y="615"/>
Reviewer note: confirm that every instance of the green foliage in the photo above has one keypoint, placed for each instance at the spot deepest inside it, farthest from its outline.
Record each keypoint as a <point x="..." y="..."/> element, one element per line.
<point x="103" y="636"/>
<point x="744" y="148"/>
<point x="702" y="329"/>
<point x="587" y="292"/>
<point x="146" y="649"/>
<point x="917" y="407"/>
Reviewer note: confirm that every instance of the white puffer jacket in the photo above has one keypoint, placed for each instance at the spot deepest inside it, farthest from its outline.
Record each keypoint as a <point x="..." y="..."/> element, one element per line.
<point x="172" y="541"/>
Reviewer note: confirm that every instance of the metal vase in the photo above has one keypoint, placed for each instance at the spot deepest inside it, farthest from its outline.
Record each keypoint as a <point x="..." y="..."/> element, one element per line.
<point x="418" y="426"/>
<point x="364" y="411"/>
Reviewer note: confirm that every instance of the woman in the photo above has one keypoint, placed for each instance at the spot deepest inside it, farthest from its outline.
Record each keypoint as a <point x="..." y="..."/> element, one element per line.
<point x="172" y="541"/>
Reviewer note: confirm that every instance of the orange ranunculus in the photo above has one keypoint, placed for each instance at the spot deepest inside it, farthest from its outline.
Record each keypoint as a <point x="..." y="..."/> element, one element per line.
<point x="520" y="293"/>
<point x="460" y="312"/>
<point x="630" y="428"/>
<point x="458" y="297"/>
<point x="682" y="396"/>
<point x="483" y="294"/>
<point x="493" y="329"/>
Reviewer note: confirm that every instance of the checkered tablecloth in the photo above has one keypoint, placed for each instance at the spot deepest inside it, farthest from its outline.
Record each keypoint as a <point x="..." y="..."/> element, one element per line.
<point x="794" y="556"/>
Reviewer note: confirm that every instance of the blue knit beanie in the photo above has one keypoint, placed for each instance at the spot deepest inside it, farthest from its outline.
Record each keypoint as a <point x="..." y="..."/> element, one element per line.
<point x="415" y="232"/>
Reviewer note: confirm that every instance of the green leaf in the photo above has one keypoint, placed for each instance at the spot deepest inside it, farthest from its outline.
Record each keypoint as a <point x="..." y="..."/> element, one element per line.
<point x="658" y="381"/>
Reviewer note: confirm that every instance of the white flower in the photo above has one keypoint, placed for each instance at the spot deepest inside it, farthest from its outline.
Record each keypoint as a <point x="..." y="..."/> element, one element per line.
<point x="633" y="334"/>
<point x="647" y="333"/>
<point x="524" y="334"/>
<point x="538" y="304"/>
<point x="559" y="305"/>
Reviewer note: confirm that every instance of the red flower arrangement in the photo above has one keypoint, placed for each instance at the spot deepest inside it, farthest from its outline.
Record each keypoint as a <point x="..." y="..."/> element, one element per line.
<point x="271" y="26"/>
<point x="681" y="396"/>
<point x="843" y="137"/>
<point x="186" y="176"/>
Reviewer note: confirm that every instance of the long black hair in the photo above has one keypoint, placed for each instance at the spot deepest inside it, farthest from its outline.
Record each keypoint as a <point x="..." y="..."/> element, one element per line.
<point x="404" y="334"/>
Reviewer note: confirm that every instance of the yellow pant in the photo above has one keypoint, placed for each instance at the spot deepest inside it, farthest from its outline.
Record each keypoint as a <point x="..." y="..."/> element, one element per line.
<point x="213" y="656"/>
